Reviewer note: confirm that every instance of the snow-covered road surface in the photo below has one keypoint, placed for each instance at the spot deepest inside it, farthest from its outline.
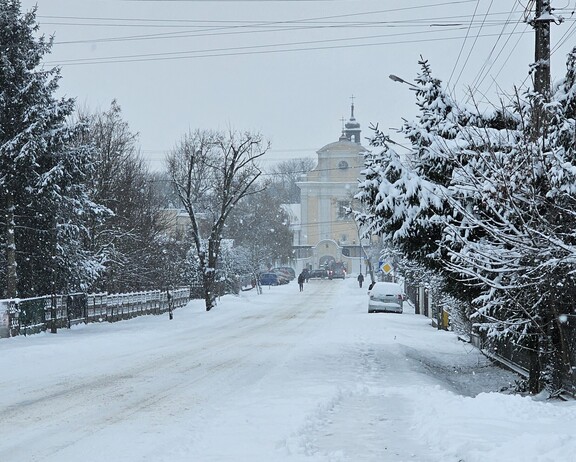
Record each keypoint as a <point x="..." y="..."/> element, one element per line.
<point x="282" y="376"/>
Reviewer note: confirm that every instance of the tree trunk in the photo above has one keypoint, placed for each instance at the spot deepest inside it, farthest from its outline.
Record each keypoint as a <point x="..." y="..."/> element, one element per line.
<point x="559" y="352"/>
<point x="11" y="271"/>
<point x="534" y="371"/>
<point x="209" y="288"/>
<point x="209" y="273"/>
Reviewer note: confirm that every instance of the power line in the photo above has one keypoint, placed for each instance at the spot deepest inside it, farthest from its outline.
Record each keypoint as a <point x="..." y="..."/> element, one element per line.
<point x="485" y="69"/>
<point x="271" y="26"/>
<point x="249" y="47"/>
<point x="251" y="51"/>
<point x="168" y="22"/>
<point x="504" y="63"/>
<point x="567" y="35"/>
<point x="463" y="43"/>
<point x="290" y="1"/>
<point x="571" y="30"/>
<point x="390" y="10"/>
<point x="225" y="31"/>
<point x="473" y="45"/>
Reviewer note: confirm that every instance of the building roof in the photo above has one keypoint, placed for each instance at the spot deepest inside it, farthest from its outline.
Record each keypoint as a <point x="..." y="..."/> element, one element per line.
<point x="343" y="144"/>
<point x="349" y="141"/>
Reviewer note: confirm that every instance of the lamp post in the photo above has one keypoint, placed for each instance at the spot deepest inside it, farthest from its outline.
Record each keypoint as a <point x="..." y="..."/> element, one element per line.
<point x="401" y="80"/>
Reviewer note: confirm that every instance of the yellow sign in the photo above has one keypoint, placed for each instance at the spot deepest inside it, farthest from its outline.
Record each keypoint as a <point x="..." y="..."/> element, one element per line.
<point x="386" y="267"/>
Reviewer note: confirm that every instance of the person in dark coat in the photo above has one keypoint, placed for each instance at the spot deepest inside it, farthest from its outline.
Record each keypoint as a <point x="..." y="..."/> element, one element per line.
<point x="301" y="279"/>
<point x="360" y="279"/>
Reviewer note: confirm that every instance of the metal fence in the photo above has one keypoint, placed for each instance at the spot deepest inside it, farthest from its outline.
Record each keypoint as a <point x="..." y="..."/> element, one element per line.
<point x="517" y="356"/>
<point x="509" y="353"/>
<point x="33" y="315"/>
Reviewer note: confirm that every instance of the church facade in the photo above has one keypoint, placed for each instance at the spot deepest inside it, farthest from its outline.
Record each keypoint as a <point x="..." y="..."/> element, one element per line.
<point x="327" y="234"/>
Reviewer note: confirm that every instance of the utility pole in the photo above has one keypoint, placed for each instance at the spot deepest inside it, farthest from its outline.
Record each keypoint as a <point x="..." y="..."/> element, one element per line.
<point x="541" y="66"/>
<point x="541" y="23"/>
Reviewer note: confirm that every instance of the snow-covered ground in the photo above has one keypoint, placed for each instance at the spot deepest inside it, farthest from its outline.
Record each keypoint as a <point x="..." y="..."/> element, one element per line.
<point x="282" y="376"/>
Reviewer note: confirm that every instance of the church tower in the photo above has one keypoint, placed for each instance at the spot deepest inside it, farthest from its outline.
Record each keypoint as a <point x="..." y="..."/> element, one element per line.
<point x="328" y="232"/>
<point x="352" y="127"/>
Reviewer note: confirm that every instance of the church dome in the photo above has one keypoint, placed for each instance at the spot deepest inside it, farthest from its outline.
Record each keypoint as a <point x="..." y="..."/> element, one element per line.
<point x="343" y="145"/>
<point x="349" y="141"/>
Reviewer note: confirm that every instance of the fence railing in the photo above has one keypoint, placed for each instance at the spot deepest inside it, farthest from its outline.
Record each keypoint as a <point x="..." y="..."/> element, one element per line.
<point x="508" y="352"/>
<point x="516" y="356"/>
<point x="33" y="315"/>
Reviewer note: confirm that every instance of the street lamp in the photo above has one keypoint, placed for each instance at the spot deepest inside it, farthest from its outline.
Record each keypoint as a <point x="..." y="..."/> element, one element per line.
<point x="401" y="80"/>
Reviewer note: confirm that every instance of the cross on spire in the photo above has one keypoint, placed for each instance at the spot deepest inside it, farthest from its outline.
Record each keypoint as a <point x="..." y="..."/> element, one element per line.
<point x="352" y="108"/>
<point x="351" y="130"/>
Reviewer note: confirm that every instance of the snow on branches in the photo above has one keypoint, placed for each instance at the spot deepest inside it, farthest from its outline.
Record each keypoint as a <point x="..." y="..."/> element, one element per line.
<point x="488" y="202"/>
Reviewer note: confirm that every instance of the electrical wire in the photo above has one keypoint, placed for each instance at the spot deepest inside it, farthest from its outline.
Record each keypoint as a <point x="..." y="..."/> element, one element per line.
<point x="463" y="43"/>
<point x="226" y="32"/>
<point x="505" y="61"/>
<point x="485" y="69"/>
<point x="473" y="45"/>
<point x="296" y="26"/>
<point x="215" y="32"/>
<point x="566" y="36"/>
<point x="212" y="50"/>
<point x="238" y="51"/>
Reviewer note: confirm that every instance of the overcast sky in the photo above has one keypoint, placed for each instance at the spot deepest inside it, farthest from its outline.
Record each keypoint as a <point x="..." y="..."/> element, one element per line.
<point x="284" y="68"/>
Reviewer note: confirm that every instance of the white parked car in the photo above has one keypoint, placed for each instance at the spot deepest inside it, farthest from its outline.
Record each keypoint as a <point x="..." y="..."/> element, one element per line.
<point x="385" y="297"/>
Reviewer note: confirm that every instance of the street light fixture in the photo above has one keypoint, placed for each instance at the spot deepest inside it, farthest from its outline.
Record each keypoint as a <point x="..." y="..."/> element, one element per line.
<point x="401" y="80"/>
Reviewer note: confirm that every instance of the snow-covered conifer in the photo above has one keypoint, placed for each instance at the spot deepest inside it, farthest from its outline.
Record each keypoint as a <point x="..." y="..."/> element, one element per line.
<point x="39" y="171"/>
<point x="490" y="203"/>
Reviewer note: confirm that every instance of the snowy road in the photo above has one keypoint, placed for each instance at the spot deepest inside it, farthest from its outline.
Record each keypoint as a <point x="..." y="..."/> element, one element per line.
<point x="282" y="376"/>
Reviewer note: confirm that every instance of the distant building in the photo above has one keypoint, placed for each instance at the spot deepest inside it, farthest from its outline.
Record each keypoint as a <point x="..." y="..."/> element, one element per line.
<point x="293" y="211"/>
<point x="176" y="221"/>
<point x="326" y="233"/>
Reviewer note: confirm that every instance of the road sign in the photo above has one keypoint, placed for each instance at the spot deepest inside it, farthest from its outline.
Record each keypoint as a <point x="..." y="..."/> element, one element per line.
<point x="384" y="266"/>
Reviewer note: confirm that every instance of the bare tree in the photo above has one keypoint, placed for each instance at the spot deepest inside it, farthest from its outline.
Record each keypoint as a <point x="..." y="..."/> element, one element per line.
<point x="131" y="238"/>
<point x="270" y="238"/>
<point x="286" y="174"/>
<point x="211" y="172"/>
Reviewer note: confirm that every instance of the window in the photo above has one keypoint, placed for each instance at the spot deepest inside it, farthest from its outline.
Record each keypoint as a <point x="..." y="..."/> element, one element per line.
<point x="302" y="252"/>
<point x="352" y="251"/>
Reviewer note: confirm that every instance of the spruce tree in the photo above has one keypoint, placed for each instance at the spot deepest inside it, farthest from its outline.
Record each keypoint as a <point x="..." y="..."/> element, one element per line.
<point x="40" y="171"/>
<point x="405" y="194"/>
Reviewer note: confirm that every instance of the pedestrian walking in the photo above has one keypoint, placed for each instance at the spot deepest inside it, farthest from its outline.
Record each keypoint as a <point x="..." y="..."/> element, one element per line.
<point x="360" y="279"/>
<point x="301" y="279"/>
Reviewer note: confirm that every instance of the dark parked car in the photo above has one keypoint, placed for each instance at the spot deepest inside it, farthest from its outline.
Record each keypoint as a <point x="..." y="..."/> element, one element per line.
<point x="269" y="279"/>
<point x="284" y="277"/>
<point x="337" y="272"/>
<point x="318" y="274"/>
<point x="289" y="270"/>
